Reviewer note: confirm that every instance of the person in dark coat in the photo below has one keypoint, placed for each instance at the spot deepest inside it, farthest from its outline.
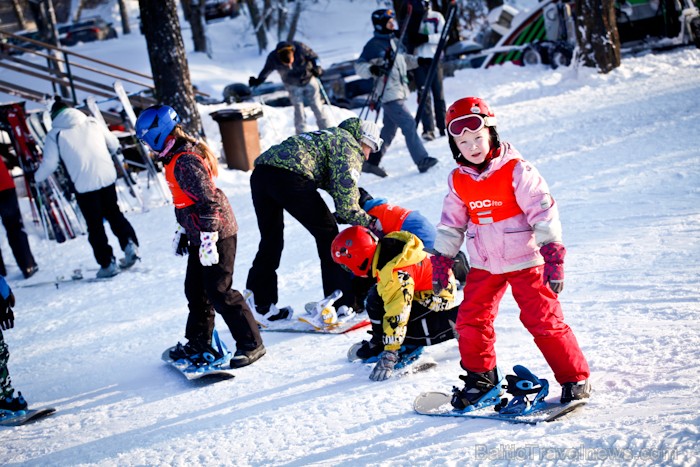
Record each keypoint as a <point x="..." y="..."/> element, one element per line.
<point x="298" y="67"/>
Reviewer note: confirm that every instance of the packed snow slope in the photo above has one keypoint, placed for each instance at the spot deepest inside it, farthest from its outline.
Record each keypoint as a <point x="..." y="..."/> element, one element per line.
<point x="620" y="152"/>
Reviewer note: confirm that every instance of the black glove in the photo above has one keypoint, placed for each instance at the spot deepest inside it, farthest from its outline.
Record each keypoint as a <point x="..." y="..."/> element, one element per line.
<point x="419" y="39"/>
<point x="7" y="317"/>
<point x="377" y="70"/>
<point x="253" y="81"/>
<point x="364" y="196"/>
<point x="317" y="71"/>
<point x="340" y="219"/>
<point x="425" y="61"/>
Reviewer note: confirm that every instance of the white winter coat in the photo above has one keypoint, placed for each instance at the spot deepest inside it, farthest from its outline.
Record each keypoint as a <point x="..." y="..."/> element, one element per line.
<point x="86" y="147"/>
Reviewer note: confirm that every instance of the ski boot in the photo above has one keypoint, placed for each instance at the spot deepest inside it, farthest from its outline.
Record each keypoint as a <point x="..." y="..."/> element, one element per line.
<point x="528" y="392"/>
<point x="13" y="404"/>
<point x="575" y="391"/>
<point x="480" y="390"/>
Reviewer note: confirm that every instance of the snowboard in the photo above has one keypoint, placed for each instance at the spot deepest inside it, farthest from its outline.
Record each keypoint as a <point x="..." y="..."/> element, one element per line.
<point x="437" y="404"/>
<point x="299" y="326"/>
<point x="77" y="276"/>
<point x="306" y="324"/>
<point x="408" y="364"/>
<point x="22" y="417"/>
<point x="219" y="369"/>
<point x="192" y="372"/>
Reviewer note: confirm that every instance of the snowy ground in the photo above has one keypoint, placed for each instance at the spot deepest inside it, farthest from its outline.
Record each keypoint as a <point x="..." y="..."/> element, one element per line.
<point x="620" y="152"/>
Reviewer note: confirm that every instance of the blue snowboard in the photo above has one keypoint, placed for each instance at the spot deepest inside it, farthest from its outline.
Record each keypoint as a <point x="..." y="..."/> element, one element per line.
<point x="219" y="368"/>
<point x="521" y="409"/>
<point x="22" y="417"/>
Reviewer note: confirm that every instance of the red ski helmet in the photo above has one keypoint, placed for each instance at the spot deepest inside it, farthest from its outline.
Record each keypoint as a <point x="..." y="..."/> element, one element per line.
<point x="354" y="248"/>
<point x="457" y="121"/>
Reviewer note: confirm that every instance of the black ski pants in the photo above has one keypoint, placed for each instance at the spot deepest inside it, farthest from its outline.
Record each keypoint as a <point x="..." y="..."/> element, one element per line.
<point x="14" y="227"/>
<point x="274" y="191"/>
<point x="98" y="206"/>
<point x="425" y="327"/>
<point x="208" y="288"/>
<point x="436" y="103"/>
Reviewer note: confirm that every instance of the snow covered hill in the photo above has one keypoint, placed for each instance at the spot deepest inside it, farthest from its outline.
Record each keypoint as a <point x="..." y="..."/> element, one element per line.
<point x="620" y="152"/>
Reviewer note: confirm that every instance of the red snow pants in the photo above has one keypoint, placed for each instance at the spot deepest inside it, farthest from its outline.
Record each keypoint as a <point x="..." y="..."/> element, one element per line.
<point x="540" y="312"/>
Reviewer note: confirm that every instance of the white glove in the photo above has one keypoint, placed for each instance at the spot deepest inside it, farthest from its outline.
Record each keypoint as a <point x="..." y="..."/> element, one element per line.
<point x="180" y="242"/>
<point x="208" y="254"/>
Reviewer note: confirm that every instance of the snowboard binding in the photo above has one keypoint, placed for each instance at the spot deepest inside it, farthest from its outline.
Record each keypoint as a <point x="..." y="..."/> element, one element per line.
<point x="528" y="393"/>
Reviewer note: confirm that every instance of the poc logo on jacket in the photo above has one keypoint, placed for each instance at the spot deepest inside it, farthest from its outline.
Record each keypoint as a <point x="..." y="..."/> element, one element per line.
<point x="485" y="203"/>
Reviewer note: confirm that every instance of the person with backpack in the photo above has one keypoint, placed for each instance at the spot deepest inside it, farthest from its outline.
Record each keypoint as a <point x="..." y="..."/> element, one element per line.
<point x="382" y="61"/>
<point x="503" y="206"/>
<point x="85" y="147"/>
<point x="207" y="231"/>
<point x="298" y="67"/>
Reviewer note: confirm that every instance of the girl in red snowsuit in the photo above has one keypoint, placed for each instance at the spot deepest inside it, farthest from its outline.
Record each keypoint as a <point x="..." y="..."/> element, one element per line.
<point x="502" y="205"/>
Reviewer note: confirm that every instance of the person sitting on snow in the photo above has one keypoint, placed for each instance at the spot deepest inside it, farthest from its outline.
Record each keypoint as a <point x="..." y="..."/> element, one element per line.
<point x="405" y="312"/>
<point x="7" y="321"/>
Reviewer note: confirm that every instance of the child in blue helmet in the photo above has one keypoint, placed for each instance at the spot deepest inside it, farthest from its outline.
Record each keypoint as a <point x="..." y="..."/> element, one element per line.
<point x="207" y="231"/>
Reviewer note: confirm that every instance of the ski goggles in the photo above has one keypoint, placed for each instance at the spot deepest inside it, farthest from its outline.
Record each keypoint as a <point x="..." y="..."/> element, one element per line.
<point x="471" y="123"/>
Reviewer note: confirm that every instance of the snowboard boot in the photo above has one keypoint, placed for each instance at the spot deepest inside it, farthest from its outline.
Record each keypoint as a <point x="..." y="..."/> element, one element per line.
<point x="131" y="255"/>
<point x="267" y="313"/>
<point x="480" y="390"/>
<point x="108" y="271"/>
<point x="199" y="353"/>
<point x="575" y="391"/>
<point x="367" y="351"/>
<point x="13" y="404"/>
<point x="245" y="357"/>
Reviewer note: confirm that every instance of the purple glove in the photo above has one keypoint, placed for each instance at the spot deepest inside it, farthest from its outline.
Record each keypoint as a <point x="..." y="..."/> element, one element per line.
<point x="442" y="265"/>
<point x="553" y="254"/>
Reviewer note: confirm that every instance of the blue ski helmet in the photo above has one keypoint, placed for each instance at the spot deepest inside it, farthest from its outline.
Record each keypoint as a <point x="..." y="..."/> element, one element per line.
<point x="155" y="124"/>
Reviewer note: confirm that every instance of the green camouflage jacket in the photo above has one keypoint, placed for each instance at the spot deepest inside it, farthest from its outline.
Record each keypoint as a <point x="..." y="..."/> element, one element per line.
<point x="332" y="158"/>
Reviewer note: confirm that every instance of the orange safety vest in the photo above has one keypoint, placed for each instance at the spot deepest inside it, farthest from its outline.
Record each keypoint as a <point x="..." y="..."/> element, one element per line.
<point x="390" y="216"/>
<point x="180" y="198"/>
<point x="421" y="272"/>
<point x="489" y="200"/>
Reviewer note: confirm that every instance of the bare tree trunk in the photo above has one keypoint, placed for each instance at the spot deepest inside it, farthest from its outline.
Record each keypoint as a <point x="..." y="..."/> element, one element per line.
<point x="199" y="35"/>
<point x="267" y="12"/>
<point x="258" y="25"/>
<point x="186" y="9"/>
<point x="126" y="29"/>
<point x="597" y="36"/>
<point x="19" y="13"/>
<point x="282" y="17"/>
<point x="298" y="7"/>
<point x="171" y="74"/>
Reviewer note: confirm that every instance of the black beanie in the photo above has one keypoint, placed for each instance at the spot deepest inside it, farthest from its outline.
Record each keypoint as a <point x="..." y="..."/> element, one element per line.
<point x="58" y="107"/>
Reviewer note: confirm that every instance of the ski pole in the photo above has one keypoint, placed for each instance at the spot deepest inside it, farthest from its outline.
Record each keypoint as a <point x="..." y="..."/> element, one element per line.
<point x="432" y="71"/>
<point x="328" y="101"/>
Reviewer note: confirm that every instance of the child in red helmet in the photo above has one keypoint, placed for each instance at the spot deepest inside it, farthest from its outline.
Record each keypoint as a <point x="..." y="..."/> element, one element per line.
<point x="502" y="205"/>
<point x="405" y="312"/>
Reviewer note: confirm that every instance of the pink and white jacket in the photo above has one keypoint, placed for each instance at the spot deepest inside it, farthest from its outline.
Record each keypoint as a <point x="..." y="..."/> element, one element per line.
<point x="507" y="245"/>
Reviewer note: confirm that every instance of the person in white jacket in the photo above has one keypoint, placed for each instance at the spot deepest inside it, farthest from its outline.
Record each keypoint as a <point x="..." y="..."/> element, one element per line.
<point x="86" y="147"/>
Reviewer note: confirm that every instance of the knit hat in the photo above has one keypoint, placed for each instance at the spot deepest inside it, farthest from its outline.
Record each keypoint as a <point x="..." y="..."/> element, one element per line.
<point x="370" y="135"/>
<point x="58" y="106"/>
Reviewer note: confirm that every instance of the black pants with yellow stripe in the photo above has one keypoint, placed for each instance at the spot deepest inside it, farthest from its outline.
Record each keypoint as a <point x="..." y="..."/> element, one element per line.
<point x="425" y="327"/>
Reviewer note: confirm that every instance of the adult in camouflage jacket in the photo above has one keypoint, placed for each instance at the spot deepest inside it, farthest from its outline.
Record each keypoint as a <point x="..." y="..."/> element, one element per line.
<point x="286" y="178"/>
